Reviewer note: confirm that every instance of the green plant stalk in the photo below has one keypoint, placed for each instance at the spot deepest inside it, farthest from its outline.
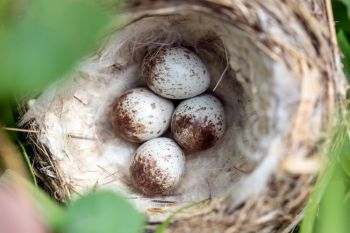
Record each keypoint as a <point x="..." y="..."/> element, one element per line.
<point x="29" y="165"/>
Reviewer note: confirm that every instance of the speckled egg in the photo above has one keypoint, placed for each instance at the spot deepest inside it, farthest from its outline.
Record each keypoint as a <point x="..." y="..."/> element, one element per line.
<point x="157" y="166"/>
<point x="198" y="123"/>
<point x="140" y="115"/>
<point x="176" y="73"/>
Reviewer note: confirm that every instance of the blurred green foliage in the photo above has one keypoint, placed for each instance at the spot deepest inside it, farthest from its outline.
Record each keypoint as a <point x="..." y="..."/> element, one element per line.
<point x="341" y="11"/>
<point x="47" y="42"/>
<point x="102" y="212"/>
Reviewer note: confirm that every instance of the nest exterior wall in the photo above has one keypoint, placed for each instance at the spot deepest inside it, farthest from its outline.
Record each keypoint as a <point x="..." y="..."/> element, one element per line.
<point x="300" y="36"/>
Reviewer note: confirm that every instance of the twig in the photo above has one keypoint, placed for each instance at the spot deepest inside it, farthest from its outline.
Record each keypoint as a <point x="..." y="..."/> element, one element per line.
<point x="80" y="137"/>
<point x="20" y="130"/>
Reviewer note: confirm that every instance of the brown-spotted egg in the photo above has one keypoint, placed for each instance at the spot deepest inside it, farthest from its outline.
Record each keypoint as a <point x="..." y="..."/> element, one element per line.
<point x="140" y="115"/>
<point x="176" y="73"/>
<point x="198" y="123"/>
<point x="157" y="166"/>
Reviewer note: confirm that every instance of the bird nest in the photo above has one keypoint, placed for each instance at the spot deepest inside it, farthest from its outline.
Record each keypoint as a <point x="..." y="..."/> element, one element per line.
<point x="275" y="66"/>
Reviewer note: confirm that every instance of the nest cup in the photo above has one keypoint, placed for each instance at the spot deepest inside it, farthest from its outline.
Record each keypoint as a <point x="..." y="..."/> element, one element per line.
<point x="278" y="100"/>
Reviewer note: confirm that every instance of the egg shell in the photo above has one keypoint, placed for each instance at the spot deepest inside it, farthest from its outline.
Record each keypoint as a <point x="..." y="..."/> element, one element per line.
<point x="198" y="123"/>
<point x="176" y="73"/>
<point x="140" y="115"/>
<point x="157" y="166"/>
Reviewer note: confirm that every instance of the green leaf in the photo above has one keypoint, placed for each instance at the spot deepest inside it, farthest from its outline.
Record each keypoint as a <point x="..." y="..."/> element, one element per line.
<point x="308" y="223"/>
<point x="102" y="212"/>
<point x="347" y="4"/>
<point x="10" y="10"/>
<point x="344" y="151"/>
<point x="341" y="16"/>
<point x="48" y="42"/>
<point x="331" y="214"/>
<point x="345" y="47"/>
